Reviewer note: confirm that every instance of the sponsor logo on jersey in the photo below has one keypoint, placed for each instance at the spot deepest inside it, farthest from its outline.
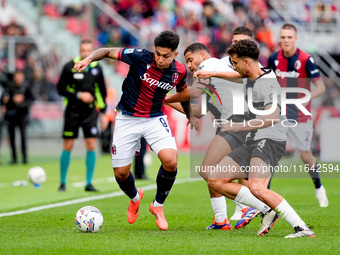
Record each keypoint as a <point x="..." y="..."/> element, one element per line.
<point x="153" y="82"/>
<point x="78" y="76"/>
<point x="174" y="77"/>
<point x="314" y="71"/>
<point x="282" y="75"/>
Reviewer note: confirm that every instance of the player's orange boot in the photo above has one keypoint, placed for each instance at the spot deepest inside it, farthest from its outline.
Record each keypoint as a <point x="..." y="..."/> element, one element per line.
<point x="159" y="216"/>
<point x="133" y="209"/>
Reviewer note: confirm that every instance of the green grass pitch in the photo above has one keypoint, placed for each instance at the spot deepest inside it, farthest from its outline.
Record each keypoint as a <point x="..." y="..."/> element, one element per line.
<point x="187" y="209"/>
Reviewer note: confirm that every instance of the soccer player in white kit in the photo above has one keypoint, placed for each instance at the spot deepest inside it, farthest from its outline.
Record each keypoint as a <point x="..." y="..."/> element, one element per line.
<point x="263" y="149"/>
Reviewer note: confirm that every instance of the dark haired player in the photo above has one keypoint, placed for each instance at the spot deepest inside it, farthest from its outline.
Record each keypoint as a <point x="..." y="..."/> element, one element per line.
<point x="263" y="148"/>
<point x="295" y="68"/>
<point x="141" y="113"/>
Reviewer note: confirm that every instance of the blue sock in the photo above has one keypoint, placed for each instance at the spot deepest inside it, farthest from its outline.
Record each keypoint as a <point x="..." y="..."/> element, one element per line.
<point x="90" y="164"/>
<point x="128" y="186"/>
<point x="165" y="180"/>
<point x="65" y="158"/>
<point x="315" y="175"/>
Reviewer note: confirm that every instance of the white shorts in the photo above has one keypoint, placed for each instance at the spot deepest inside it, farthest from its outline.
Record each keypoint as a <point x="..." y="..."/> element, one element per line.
<point x="301" y="135"/>
<point x="129" y="130"/>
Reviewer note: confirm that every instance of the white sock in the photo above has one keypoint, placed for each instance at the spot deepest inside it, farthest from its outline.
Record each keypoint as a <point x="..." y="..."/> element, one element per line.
<point x="136" y="198"/>
<point x="156" y="204"/>
<point x="244" y="196"/>
<point x="286" y="212"/>
<point x="219" y="207"/>
<point x="241" y="206"/>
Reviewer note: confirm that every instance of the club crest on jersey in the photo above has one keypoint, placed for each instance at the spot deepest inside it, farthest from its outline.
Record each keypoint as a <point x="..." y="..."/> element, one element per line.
<point x="276" y="62"/>
<point x="297" y="64"/>
<point x="174" y="77"/>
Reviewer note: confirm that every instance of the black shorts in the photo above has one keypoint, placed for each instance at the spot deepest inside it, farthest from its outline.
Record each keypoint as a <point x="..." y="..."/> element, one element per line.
<point x="234" y="139"/>
<point x="86" y="120"/>
<point x="269" y="151"/>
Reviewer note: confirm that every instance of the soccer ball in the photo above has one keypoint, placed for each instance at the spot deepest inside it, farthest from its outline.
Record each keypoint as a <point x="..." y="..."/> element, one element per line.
<point x="89" y="219"/>
<point x="37" y="175"/>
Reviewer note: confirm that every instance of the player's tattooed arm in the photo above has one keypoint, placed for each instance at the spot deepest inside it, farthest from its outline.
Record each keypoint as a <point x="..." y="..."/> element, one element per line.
<point x="104" y="53"/>
<point x="98" y="54"/>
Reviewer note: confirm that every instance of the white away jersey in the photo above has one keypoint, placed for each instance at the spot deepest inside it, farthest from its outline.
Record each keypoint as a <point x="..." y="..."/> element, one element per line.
<point x="264" y="89"/>
<point x="225" y="88"/>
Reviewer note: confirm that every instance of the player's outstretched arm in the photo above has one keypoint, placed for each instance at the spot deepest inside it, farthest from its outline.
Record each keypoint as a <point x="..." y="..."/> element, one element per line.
<point x="97" y="55"/>
<point x="223" y="75"/>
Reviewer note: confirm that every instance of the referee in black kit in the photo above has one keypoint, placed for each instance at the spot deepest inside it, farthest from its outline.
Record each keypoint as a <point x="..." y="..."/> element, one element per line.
<point x="85" y="95"/>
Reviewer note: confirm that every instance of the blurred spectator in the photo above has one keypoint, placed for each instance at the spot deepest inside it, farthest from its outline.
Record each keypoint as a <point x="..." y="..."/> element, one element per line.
<point x="17" y="101"/>
<point x="7" y="13"/>
<point x="265" y="35"/>
<point x="72" y="8"/>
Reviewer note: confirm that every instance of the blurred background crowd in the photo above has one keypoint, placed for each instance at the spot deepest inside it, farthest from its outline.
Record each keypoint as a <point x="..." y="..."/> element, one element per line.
<point x="39" y="36"/>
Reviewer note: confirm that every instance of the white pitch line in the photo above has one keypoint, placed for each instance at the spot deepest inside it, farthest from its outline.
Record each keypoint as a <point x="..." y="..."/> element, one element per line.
<point x="87" y="199"/>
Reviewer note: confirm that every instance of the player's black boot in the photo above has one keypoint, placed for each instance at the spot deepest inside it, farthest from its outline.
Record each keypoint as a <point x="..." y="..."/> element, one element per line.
<point x="62" y="187"/>
<point x="91" y="188"/>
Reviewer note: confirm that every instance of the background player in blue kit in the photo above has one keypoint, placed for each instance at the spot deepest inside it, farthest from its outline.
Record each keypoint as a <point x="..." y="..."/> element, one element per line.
<point x="296" y="68"/>
<point x="141" y="113"/>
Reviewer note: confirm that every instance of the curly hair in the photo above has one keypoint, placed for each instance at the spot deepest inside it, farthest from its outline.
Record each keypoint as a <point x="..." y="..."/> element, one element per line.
<point x="167" y="39"/>
<point x="245" y="48"/>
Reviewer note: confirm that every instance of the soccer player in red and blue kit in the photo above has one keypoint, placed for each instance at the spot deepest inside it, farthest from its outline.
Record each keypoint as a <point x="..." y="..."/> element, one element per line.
<point x="296" y="68"/>
<point x="141" y="113"/>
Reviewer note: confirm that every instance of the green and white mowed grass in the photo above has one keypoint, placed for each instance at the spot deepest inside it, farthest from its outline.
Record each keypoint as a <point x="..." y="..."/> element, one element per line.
<point x="187" y="209"/>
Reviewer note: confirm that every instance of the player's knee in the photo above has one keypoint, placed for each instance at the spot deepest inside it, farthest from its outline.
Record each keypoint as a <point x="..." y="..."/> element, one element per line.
<point x="257" y="190"/>
<point x="170" y="164"/>
<point x="306" y="157"/>
<point x="121" y="175"/>
<point x="212" y="182"/>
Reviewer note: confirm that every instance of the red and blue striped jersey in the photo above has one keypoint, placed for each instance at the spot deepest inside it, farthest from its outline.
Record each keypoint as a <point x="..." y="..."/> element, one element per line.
<point x="296" y="71"/>
<point x="145" y="87"/>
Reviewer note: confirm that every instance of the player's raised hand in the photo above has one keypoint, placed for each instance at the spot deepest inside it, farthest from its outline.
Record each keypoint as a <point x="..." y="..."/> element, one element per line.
<point x="80" y="66"/>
